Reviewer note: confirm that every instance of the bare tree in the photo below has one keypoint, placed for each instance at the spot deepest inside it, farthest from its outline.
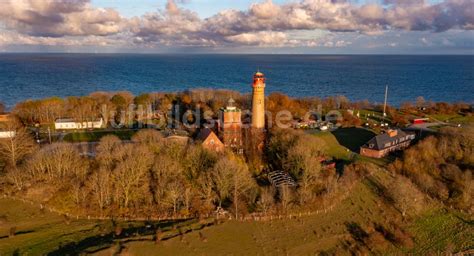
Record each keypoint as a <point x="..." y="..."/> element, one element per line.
<point x="57" y="161"/>
<point x="130" y="172"/>
<point x="167" y="183"/>
<point x="232" y="178"/>
<point x="174" y="193"/>
<point x="103" y="105"/>
<point x="267" y="199"/>
<point x="107" y="151"/>
<point x="153" y="139"/>
<point x="420" y="102"/>
<point x="14" y="148"/>
<point x="100" y="183"/>
<point x="286" y="196"/>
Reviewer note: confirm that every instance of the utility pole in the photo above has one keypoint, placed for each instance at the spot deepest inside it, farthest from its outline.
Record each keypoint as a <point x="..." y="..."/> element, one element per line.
<point x="49" y="134"/>
<point x="385" y="102"/>
<point x="385" y="105"/>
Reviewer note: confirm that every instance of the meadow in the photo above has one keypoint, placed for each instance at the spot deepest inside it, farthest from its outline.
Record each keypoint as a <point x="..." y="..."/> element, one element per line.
<point x="43" y="232"/>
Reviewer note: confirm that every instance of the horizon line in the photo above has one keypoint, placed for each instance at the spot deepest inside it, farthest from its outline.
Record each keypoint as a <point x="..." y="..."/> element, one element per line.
<point x="218" y="53"/>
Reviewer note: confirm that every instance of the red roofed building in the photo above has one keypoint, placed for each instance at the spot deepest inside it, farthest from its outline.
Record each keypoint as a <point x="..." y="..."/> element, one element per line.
<point x="209" y="140"/>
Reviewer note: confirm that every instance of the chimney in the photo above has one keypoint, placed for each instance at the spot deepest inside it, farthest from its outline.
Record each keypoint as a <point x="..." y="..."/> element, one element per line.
<point x="392" y="133"/>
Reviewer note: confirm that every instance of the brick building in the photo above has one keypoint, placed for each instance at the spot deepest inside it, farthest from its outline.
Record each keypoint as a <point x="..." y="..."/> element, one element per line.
<point x="209" y="140"/>
<point x="381" y="145"/>
<point x="231" y="127"/>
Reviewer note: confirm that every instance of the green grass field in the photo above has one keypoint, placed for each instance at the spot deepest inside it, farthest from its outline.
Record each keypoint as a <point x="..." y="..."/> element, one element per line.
<point x="442" y="229"/>
<point x="40" y="232"/>
<point x="97" y="135"/>
<point x="453" y="118"/>
<point x="333" y="148"/>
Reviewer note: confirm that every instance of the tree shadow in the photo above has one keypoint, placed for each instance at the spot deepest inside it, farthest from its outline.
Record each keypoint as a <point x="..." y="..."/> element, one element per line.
<point x="356" y="232"/>
<point x="103" y="241"/>
<point x="353" y="138"/>
<point x="18" y="233"/>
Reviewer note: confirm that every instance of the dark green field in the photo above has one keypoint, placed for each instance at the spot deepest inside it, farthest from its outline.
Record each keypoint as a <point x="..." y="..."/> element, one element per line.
<point x="97" y="135"/>
<point x="39" y="232"/>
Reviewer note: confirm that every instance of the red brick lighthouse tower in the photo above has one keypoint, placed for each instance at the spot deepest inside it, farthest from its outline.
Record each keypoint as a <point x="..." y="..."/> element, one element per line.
<point x="232" y="126"/>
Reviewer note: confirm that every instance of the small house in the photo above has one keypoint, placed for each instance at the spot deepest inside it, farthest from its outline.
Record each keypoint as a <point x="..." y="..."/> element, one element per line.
<point x="210" y="140"/>
<point x="7" y="134"/>
<point x="381" y="145"/>
<point x="71" y="124"/>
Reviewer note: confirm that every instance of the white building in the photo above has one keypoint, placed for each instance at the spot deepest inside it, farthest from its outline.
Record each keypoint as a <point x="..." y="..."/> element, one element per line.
<point x="71" y="124"/>
<point x="7" y="134"/>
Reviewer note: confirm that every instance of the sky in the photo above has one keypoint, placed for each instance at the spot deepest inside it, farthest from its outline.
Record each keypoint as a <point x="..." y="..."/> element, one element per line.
<point x="238" y="26"/>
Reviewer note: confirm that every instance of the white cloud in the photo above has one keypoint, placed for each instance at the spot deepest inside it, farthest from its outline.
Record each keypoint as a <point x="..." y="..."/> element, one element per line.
<point x="263" y="24"/>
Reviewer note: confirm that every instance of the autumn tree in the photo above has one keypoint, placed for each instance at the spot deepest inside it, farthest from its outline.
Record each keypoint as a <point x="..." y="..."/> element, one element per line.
<point x="267" y="199"/>
<point x="197" y="161"/>
<point x="57" y="161"/>
<point x="103" y="105"/>
<point x="304" y="163"/>
<point x="15" y="148"/>
<point x="420" y="102"/>
<point x="100" y="184"/>
<point x="108" y="151"/>
<point x="231" y="179"/>
<point x="131" y="172"/>
<point x="149" y="137"/>
<point x="168" y="181"/>
<point x="82" y="109"/>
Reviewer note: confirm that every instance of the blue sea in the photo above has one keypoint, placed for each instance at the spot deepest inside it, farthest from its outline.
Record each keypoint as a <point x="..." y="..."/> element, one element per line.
<point x="438" y="78"/>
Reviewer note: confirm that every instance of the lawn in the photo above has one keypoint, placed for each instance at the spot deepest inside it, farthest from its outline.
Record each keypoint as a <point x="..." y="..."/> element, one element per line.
<point x="344" y="144"/>
<point x="440" y="229"/>
<point x="375" y="116"/>
<point x="40" y="232"/>
<point x="333" y="148"/>
<point x="453" y="118"/>
<point x="353" y="138"/>
<point x="89" y="136"/>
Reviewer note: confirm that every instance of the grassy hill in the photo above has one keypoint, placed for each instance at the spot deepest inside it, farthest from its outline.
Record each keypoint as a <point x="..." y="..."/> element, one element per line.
<point x="335" y="232"/>
<point x="40" y="232"/>
<point x="434" y="230"/>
